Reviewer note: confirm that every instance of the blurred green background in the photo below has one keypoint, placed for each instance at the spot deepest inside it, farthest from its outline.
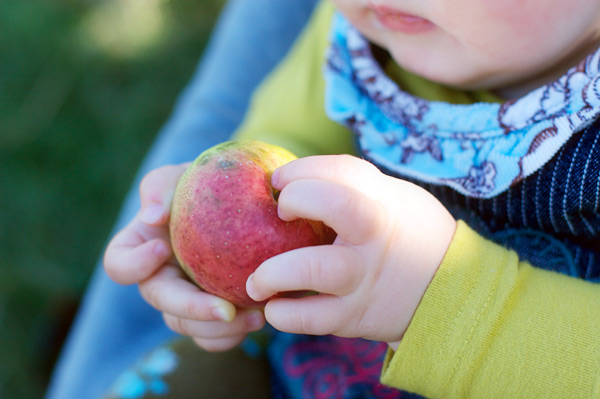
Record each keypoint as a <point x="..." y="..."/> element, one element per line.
<point x="84" y="87"/>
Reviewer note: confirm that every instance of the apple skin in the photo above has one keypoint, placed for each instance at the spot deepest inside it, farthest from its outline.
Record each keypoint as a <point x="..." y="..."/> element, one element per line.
<point x="224" y="220"/>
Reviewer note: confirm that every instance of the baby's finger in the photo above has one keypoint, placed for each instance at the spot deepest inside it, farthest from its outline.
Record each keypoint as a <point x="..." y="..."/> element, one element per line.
<point x="343" y="169"/>
<point x="354" y="216"/>
<point x="169" y="292"/>
<point x="129" y="258"/>
<point x="156" y="193"/>
<point x="243" y="323"/>
<point x="329" y="269"/>
<point x="220" y="344"/>
<point x="313" y="315"/>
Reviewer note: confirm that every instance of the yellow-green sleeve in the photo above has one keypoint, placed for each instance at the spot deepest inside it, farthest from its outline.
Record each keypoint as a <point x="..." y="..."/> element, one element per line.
<point x="288" y="107"/>
<point x="490" y="326"/>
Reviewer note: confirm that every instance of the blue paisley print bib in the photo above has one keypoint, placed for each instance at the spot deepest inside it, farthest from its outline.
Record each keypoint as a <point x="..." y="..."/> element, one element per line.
<point x="479" y="150"/>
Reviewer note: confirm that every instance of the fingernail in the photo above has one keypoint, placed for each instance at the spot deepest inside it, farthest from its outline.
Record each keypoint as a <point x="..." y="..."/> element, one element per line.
<point x="250" y="286"/>
<point x="222" y="314"/>
<point x="275" y="178"/>
<point x="151" y="213"/>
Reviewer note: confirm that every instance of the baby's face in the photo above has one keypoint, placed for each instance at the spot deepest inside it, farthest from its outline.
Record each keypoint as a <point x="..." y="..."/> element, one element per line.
<point x="475" y="44"/>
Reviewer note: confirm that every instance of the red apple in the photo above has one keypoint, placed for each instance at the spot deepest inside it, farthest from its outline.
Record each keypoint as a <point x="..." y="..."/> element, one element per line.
<point x="224" y="220"/>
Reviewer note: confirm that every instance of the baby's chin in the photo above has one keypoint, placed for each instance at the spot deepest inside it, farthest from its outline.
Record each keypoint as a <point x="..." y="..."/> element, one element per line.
<point x="464" y="80"/>
<point x="509" y="84"/>
<point x="459" y="78"/>
<point x="461" y="73"/>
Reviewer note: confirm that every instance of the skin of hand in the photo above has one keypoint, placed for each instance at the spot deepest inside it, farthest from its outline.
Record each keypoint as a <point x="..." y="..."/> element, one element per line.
<point x="141" y="253"/>
<point x="392" y="237"/>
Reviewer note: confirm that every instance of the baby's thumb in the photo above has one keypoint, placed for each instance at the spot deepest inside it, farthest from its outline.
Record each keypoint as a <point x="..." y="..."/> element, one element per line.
<point x="156" y="193"/>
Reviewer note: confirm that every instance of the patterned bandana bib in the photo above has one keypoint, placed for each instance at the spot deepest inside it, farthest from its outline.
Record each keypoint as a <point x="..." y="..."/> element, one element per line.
<point x="479" y="149"/>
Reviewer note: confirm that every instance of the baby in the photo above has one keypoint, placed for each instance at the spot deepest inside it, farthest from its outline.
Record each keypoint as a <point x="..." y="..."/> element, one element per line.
<point x="477" y="122"/>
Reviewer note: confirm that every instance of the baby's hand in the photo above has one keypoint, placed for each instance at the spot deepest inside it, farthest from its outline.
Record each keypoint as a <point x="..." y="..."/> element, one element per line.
<point x="141" y="253"/>
<point x="392" y="236"/>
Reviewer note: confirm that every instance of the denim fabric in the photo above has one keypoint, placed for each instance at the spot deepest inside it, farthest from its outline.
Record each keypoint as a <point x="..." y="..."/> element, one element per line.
<point x="114" y="326"/>
<point x="551" y="218"/>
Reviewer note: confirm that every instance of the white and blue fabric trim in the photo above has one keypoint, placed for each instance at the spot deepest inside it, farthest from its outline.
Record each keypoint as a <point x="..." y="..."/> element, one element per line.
<point x="480" y="149"/>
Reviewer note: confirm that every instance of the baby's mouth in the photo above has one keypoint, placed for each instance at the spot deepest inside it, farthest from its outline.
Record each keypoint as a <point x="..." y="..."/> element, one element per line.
<point x="400" y="21"/>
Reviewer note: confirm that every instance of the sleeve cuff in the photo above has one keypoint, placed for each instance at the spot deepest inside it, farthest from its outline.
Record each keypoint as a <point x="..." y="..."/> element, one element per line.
<point x="455" y="302"/>
<point x="491" y="326"/>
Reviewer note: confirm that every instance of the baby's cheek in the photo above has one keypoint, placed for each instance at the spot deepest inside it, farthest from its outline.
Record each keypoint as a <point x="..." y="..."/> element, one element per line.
<point x="503" y="32"/>
<point x="524" y="18"/>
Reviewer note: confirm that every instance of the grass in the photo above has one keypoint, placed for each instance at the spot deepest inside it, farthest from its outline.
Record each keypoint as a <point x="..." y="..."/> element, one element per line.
<point x="84" y="87"/>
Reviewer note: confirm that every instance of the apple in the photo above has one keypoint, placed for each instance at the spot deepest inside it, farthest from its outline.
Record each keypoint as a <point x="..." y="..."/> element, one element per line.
<point x="224" y="220"/>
